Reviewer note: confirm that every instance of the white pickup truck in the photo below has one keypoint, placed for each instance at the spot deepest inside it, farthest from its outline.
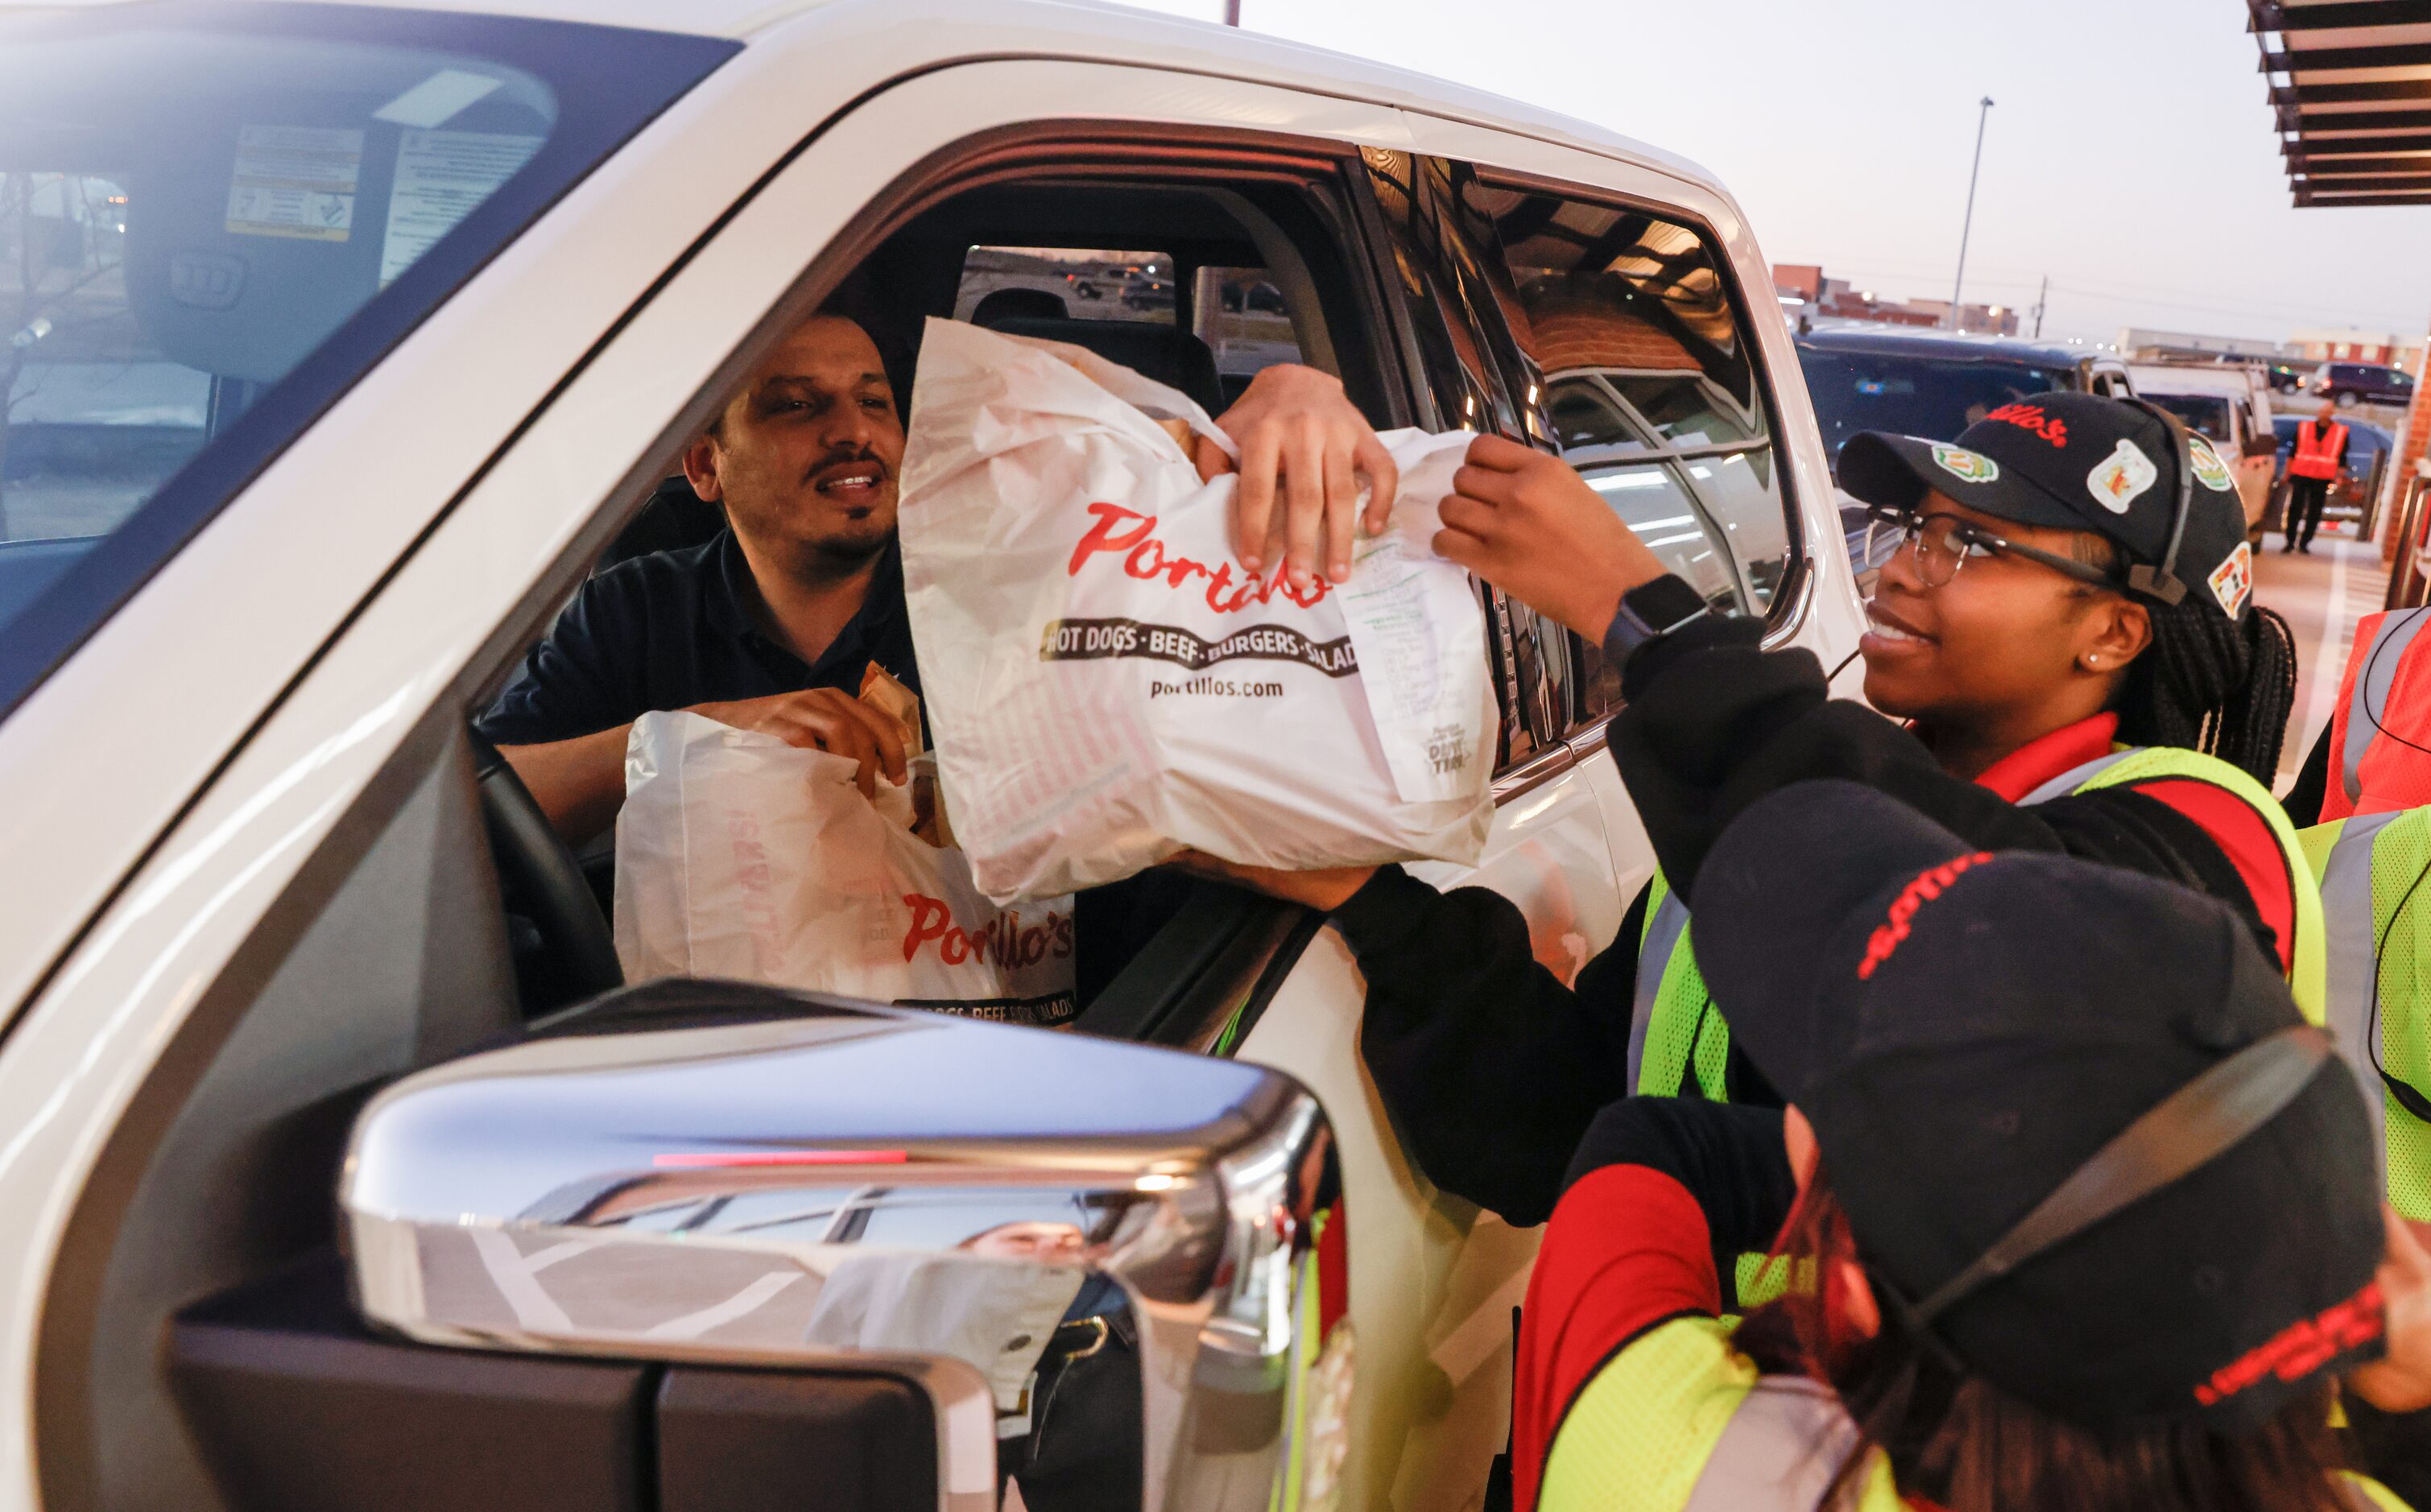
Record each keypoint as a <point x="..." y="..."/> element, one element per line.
<point x="2231" y="408"/>
<point x="347" y="338"/>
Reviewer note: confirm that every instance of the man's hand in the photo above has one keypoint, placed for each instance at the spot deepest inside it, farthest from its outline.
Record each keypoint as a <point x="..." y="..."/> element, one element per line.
<point x="2400" y="1381"/>
<point x="1301" y="435"/>
<point x="1523" y="521"/>
<point x="1324" y="890"/>
<point x="827" y="719"/>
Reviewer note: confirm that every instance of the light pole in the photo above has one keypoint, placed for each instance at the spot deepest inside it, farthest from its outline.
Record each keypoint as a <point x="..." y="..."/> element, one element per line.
<point x="1969" y="224"/>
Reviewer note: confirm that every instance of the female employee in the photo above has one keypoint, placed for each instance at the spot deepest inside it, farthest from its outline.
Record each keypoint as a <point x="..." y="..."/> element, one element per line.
<point x="2074" y="574"/>
<point x="2085" y="1208"/>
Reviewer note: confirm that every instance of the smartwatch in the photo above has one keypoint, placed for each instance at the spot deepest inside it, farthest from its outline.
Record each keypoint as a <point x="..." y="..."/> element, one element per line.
<point x="1650" y="612"/>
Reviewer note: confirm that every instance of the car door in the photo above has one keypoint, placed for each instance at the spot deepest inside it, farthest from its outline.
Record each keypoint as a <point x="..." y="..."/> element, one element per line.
<point x="2257" y="454"/>
<point x="266" y="920"/>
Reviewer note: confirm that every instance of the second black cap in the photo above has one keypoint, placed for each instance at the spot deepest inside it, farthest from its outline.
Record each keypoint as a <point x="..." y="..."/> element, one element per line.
<point x="1966" y="1030"/>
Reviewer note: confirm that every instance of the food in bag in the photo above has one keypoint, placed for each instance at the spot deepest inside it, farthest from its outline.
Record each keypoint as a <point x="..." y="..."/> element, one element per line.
<point x="739" y="855"/>
<point x="1107" y="685"/>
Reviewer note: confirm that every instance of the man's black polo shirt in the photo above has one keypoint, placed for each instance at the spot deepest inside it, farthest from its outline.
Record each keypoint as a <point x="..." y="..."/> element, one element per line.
<point x="673" y="629"/>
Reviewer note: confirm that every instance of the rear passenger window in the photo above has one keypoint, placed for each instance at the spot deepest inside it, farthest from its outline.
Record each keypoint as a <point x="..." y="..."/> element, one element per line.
<point x="1002" y="284"/>
<point x="1243" y="317"/>
<point x="1651" y="383"/>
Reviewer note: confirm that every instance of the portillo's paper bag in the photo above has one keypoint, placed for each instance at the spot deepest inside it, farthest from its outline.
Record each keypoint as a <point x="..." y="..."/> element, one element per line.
<point x="738" y="855"/>
<point x="1106" y="685"/>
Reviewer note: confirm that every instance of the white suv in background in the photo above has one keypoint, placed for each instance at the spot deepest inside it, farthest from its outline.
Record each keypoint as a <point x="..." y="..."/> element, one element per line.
<point x="353" y="338"/>
<point x="2231" y="407"/>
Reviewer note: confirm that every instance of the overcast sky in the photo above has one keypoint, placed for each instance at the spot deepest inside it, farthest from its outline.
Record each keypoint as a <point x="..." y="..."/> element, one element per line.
<point x="2130" y="155"/>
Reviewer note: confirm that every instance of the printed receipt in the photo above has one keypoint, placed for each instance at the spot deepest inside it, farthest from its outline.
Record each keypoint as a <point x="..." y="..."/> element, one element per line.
<point x="1419" y="634"/>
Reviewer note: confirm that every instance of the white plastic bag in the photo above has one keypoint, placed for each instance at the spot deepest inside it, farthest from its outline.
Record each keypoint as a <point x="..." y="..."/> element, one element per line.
<point x="1106" y="684"/>
<point x="738" y="855"/>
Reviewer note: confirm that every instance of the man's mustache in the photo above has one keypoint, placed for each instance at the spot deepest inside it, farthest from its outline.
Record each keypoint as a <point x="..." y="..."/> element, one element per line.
<point x="847" y="454"/>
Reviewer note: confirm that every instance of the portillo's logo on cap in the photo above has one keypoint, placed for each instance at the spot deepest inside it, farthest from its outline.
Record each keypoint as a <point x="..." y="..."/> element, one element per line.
<point x="1967" y="466"/>
<point x="2032" y="417"/>
<point x="2301" y="1348"/>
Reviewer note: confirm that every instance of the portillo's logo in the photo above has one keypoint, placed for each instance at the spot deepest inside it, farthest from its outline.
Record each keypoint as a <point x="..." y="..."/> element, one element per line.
<point x="1133" y="535"/>
<point x="1004" y="939"/>
<point x="2032" y="417"/>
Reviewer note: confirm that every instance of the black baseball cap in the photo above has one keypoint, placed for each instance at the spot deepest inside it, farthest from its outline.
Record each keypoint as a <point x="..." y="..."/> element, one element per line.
<point x="2077" y="461"/>
<point x="1967" y="1031"/>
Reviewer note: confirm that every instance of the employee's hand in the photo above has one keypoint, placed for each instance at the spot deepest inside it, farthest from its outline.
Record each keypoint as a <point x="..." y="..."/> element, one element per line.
<point x="827" y="719"/>
<point x="1303" y="446"/>
<point x="1523" y="521"/>
<point x="2400" y="1381"/>
<point x="1324" y="890"/>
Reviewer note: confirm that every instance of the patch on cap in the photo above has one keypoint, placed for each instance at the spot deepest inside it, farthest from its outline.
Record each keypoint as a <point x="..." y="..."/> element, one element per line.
<point x="1967" y="466"/>
<point x="2208" y="467"/>
<point x="2232" y="581"/>
<point x="2118" y="478"/>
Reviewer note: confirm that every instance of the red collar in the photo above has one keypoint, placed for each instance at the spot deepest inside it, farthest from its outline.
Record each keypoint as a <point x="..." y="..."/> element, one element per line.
<point x="2037" y="762"/>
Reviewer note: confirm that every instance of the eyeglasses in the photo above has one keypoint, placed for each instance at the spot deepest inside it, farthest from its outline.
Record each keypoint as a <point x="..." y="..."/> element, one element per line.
<point x="1944" y="543"/>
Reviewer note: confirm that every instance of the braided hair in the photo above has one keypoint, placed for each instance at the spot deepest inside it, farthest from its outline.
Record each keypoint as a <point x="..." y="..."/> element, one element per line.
<point x="2213" y="685"/>
<point x="2206" y="683"/>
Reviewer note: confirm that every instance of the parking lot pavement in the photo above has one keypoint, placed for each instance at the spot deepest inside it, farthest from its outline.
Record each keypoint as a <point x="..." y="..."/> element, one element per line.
<point x="2323" y="595"/>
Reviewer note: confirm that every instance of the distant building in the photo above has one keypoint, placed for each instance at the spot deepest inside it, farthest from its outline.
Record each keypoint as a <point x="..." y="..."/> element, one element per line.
<point x="2137" y="343"/>
<point x="2348" y="344"/>
<point x="1803" y="289"/>
<point x="1802" y="281"/>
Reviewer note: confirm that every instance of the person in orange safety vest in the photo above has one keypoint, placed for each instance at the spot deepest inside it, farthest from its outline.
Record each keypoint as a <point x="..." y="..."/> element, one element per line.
<point x="2319" y="458"/>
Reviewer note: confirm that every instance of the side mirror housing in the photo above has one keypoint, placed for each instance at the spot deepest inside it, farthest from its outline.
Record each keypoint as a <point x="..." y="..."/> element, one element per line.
<point x="727" y="1173"/>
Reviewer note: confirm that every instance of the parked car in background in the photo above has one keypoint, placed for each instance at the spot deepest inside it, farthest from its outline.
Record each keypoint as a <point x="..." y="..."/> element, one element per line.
<point x="2231" y="407"/>
<point x="1930" y="383"/>
<point x="2287" y="378"/>
<point x="2351" y="383"/>
<point x="2369" y="448"/>
<point x="259" y="875"/>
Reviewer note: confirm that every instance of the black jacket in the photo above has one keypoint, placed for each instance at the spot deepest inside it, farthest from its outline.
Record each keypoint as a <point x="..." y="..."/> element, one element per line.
<point x="1492" y="1069"/>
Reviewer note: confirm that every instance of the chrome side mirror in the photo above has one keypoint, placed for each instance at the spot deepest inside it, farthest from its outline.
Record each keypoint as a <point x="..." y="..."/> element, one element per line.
<point x="718" y="1173"/>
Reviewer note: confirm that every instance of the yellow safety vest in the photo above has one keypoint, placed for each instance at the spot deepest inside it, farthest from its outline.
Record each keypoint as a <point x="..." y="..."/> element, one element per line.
<point x="1675" y="1030"/>
<point x="2370" y="866"/>
<point x="1680" y="1421"/>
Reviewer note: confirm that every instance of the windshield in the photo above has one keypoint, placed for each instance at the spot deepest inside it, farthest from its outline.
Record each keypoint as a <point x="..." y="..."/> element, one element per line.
<point x="212" y="222"/>
<point x="1932" y="397"/>
<point x="2207" y="413"/>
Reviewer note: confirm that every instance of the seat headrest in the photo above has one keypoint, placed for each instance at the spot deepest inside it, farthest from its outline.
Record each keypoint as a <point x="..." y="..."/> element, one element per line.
<point x="1174" y="358"/>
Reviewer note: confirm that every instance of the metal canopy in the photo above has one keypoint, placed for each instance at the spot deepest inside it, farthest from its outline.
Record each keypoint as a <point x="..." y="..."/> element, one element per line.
<point x="2351" y="88"/>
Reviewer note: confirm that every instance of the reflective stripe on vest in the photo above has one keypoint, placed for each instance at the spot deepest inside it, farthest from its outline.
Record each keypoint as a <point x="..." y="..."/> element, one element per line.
<point x="1784" y="1440"/>
<point x="2317" y="450"/>
<point x="2369" y="867"/>
<point x="1674" y="1022"/>
<point x="2376" y="662"/>
<point x="1781" y="1450"/>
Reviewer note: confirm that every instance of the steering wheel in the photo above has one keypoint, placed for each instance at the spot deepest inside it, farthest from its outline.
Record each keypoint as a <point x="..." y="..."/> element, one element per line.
<point x="545" y="885"/>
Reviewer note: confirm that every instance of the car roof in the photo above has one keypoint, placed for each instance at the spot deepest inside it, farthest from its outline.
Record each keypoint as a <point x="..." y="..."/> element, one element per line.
<point x="1895" y="341"/>
<point x="2162" y="378"/>
<point x="972" y="31"/>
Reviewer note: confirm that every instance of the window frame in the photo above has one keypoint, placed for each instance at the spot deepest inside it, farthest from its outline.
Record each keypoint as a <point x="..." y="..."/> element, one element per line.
<point x="1794" y="596"/>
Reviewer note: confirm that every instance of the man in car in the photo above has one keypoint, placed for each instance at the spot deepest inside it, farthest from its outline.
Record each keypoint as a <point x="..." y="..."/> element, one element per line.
<point x="771" y="625"/>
